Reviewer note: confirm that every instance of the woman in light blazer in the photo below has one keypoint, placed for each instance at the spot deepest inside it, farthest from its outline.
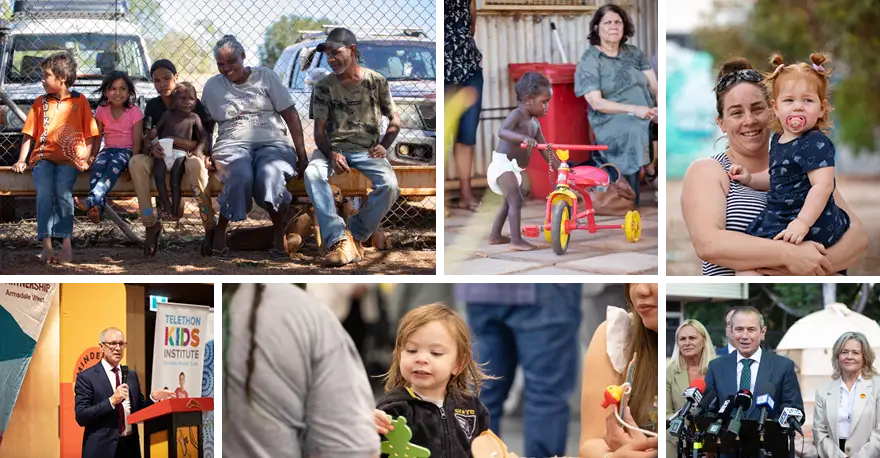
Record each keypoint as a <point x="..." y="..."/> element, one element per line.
<point x="848" y="408"/>
<point x="690" y="360"/>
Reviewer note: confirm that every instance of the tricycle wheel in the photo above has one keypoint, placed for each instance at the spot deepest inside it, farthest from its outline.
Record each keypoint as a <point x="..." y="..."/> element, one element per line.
<point x="633" y="226"/>
<point x="558" y="234"/>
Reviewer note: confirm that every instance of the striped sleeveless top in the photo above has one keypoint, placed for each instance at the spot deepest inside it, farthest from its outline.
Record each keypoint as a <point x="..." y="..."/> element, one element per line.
<point x="744" y="204"/>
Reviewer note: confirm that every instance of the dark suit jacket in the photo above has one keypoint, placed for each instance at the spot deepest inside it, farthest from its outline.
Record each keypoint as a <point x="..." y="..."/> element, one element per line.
<point x="775" y="375"/>
<point x="97" y="416"/>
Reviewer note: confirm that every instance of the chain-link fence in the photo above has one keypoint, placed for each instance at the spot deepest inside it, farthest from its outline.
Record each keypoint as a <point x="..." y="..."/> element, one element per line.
<point x="395" y="37"/>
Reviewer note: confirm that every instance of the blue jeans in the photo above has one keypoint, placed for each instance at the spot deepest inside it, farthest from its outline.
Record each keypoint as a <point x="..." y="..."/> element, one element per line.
<point x="543" y="339"/>
<point x="379" y="202"/>
<point x="467" y="125"/>
<point x="109" y="164"/>
<point x="54" y="199"/>
<point x="253" y="174"/>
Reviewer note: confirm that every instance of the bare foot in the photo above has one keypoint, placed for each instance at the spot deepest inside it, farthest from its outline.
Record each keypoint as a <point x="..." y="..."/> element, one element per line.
<point x="151" y="239"/>
<point x="521" y="245"/>
<point x="498" y="239"/>
<point x="47" y="256"/>
<point x="66" y="255"/>
<point x="471" y="204"/>
<point x="94" y="214"/>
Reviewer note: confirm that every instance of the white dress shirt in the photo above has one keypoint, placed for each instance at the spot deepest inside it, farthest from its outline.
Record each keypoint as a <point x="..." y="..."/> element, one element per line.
<point x="126" y="404"/>
<point x="739" y="367"/>
<point x="730" y="348"/>
<point x="845" y="408"/>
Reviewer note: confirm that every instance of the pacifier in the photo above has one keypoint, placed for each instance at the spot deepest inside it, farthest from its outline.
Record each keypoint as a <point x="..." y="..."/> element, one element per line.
<point x="795" y="122"/>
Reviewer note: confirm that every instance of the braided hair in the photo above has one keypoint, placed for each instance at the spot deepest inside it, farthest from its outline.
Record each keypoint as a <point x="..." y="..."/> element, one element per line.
<point x="229" y="291"/>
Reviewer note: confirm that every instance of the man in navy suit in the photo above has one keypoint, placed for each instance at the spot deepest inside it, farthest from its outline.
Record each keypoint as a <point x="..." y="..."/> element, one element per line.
<point x="750" y="367"/>
<point x="103" y="402"/>
<point x="730" y="347"/>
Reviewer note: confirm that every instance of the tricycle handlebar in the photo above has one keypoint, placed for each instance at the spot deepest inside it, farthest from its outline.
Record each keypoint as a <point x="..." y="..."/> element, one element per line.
<point x="571" y="147"/>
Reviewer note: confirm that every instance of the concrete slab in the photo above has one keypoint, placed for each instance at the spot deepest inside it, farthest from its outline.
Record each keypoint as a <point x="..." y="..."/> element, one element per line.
<point x="616" y="264"/>
<point x="487" y="266"/>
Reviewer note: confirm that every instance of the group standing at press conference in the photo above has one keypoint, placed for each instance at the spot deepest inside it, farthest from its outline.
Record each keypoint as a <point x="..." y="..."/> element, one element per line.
<point x="765" y="386"/>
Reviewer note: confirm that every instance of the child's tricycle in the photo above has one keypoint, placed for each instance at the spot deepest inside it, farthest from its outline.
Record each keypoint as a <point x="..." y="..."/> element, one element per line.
<point x="562" y="217"/>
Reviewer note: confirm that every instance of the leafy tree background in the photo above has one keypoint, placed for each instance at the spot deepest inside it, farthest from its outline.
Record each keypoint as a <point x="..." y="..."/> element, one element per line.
<point x="189" y="54"/>
<point x="781" y="305"/>
<point x="846" y="29"/>
<point x="283" y="33"/>
<point x="147" y="14"/>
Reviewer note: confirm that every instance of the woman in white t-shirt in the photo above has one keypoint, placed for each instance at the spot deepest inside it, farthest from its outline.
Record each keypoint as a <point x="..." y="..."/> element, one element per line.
<point x="612" y="347"/>
<point x="258" y="128"/>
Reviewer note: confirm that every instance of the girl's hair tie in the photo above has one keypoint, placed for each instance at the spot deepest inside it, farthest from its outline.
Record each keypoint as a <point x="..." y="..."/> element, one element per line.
<point x="819" y="68"/>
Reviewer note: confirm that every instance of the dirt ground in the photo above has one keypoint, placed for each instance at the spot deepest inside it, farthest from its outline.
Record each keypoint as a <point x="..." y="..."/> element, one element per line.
<point x="103" y="249"/>
<point x="860" y="193"/>
<point x="416" y="257"/>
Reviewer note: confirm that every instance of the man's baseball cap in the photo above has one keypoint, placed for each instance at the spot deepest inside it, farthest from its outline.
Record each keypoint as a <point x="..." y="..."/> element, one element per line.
<point x="337" y="38"/>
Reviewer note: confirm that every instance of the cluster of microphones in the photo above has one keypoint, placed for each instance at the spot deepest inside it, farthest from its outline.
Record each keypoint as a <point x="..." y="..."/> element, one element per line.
<point x="701" y="425"/>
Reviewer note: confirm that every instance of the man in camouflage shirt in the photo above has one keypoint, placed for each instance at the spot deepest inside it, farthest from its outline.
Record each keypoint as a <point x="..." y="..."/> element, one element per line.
<point x="348" y="106"/>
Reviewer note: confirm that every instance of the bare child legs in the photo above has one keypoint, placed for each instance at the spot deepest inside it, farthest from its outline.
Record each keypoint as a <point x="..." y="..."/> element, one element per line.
<point x="495" y="237"/>
<point x="511" y="209"/>
<point x="177" y="170"/>
<point x="159" y="171"/>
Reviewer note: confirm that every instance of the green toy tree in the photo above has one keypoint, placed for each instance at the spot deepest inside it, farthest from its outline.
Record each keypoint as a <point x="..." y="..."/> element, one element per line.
<point x="398" y="446"/>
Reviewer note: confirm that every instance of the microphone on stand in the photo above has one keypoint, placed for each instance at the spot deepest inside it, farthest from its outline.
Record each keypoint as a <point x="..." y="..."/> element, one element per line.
<point x="765" y="403"/>
<point x="723" y="415"/>
<point x="693" y="395"/>
<point x="792" y="418"/>
<point x="742" y="403"/>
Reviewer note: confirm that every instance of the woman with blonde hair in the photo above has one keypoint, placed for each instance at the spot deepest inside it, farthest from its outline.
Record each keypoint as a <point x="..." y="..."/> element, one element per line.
<point x="690" y="361"/>
<point x="848" y="408"/>
<point x="612" y="347"/>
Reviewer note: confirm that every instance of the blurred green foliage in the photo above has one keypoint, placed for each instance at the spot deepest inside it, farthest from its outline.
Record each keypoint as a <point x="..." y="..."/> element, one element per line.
<point x="845" y="29"/>
<point x="802" y="299"/>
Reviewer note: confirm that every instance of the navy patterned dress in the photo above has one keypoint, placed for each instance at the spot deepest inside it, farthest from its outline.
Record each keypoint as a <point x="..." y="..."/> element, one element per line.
<point x="789" y="184"/>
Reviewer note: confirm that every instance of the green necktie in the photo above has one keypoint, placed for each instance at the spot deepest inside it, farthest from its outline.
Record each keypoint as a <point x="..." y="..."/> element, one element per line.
<point x="745" y="380"/>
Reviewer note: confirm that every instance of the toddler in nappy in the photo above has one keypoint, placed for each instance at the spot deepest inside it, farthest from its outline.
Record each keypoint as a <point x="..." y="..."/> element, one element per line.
<point x="175" y="132"/>
<point x="533" y="93"/>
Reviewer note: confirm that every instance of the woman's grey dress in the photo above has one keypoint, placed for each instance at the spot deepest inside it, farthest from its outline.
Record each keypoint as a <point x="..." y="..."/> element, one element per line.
<point x="619" y="79"/>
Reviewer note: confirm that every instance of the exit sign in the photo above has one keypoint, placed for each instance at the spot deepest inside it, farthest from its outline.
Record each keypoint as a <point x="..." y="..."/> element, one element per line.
<point x="154" y="302"/>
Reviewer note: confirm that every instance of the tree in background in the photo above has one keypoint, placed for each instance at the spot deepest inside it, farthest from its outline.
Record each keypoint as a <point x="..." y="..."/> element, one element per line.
<point x="283" y="33"/>
<point x="207" y="33"/>
<point x="5" y="12"/>
<point x="187" y="53"/>
<point x="784" y="303"/>
<point x="846" y="29"/>
<point x="147" y="14"/>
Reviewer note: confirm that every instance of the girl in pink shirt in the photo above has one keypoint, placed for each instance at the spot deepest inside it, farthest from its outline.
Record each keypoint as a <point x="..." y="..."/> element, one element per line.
<point x="121" y="123"/>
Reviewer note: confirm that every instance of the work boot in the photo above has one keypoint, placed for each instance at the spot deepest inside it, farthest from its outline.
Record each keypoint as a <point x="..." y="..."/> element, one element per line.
<point x="343" y="252"/>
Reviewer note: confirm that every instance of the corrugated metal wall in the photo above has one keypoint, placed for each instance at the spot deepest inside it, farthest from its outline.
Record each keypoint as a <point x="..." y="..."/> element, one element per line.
<point x="516" y="38"/>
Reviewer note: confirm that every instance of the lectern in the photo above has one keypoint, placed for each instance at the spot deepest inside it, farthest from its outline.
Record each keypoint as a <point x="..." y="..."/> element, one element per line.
<point x="173" y="427"/>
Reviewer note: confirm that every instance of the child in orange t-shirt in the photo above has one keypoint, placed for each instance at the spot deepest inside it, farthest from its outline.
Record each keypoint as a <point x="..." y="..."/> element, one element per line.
<point x="64" y="129"/>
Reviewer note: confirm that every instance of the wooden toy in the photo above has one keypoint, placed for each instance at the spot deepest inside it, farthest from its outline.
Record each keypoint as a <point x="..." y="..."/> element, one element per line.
<point x="398" y="445"/>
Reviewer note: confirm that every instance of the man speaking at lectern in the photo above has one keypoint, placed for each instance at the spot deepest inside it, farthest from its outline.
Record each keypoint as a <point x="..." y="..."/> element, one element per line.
<point x="106" y="394"/>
